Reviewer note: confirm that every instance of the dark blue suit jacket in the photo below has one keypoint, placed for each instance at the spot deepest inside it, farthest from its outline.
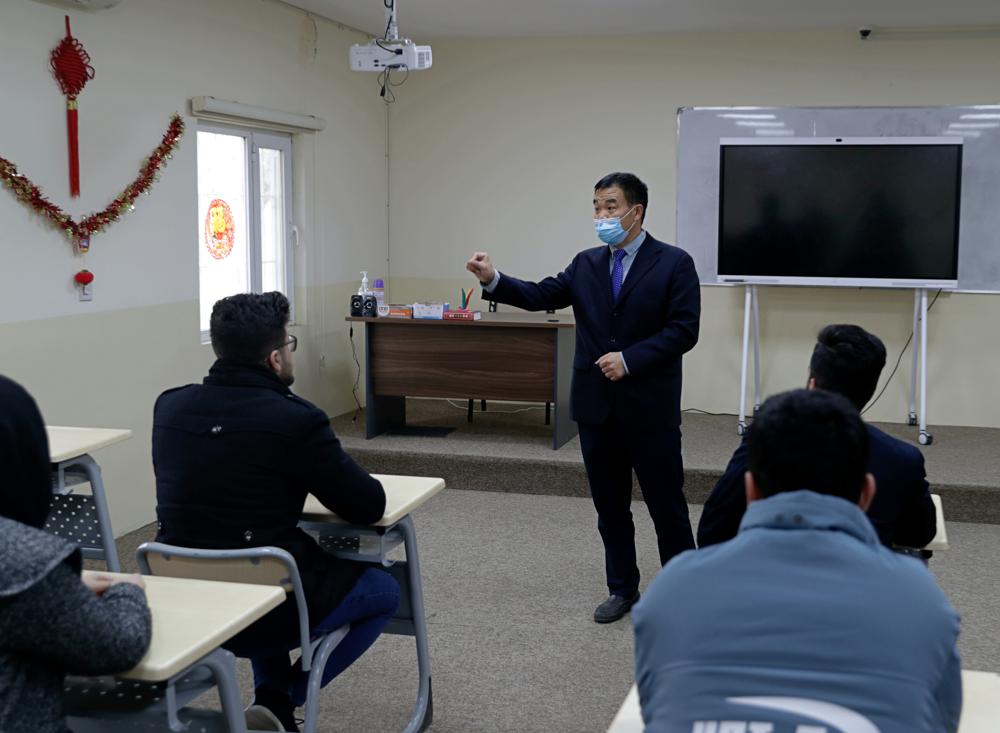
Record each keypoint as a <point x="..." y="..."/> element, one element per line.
<point x="653" y="323"/>
<point x="902" y="511"/>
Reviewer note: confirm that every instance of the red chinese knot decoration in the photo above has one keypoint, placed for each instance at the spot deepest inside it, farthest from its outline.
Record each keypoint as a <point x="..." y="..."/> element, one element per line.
<point x="72" y="69"/>
<point x="79" y="232"/>
<point x="219" y="229"/>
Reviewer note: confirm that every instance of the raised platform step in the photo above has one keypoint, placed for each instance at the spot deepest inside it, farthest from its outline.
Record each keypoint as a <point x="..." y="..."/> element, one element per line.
<point x="508" y="449"/>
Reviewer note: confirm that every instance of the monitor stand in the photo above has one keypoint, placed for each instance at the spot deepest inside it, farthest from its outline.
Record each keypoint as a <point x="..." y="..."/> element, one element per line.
<point x="751" y="334"/>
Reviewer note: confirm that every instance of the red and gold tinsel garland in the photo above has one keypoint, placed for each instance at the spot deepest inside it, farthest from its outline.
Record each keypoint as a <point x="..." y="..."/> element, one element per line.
<point x="79" y="232"/>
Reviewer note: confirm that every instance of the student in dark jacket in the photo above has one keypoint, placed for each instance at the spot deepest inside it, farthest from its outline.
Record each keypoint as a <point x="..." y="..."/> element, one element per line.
<point x="847" y="360"/>
<point x="235" y="458"/>
<point x="52" y="622"/>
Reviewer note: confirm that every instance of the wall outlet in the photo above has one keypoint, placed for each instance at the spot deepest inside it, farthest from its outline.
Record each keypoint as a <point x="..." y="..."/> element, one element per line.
<point x="322" y="361"/>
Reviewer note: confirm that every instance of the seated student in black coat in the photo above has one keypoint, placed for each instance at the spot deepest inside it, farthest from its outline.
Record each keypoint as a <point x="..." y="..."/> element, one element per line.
<point x="847" y="360"/>
<point x="234" y="459"/>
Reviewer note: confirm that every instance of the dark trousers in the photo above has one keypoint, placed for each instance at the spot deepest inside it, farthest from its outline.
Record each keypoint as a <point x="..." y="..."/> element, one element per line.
<point x="610" y="453"/>
<point x="368" y="608"/>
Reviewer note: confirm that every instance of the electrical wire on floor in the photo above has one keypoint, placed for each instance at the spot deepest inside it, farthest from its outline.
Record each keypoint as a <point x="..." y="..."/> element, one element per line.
<point x="501" y="412"/>
<point x="899" y="360"/>
<point x="697" y="411"/>
<point x="357" y="378"/>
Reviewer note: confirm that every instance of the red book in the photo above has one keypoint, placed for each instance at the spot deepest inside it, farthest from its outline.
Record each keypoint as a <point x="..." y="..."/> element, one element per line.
<point x="463" y="315"/>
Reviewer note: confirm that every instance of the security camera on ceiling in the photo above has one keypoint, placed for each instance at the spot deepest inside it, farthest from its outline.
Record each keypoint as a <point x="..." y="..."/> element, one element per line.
<point x="390" y="51"/>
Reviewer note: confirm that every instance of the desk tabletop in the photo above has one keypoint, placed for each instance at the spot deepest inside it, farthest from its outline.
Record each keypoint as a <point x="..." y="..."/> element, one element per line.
<point x="403" y="494"/>
<point x="193" y="617"/>
<point x="940" y="541"/>
<point x="508" y="320"/>
<point x="66" y="443"/>
<point x="980" y="702"/>
<point x="980" y="706"/>
<point x="629" y="717"/>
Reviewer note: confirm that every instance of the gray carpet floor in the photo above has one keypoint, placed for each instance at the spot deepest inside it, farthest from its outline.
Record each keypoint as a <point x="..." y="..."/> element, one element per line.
<point x="510" y="583"/>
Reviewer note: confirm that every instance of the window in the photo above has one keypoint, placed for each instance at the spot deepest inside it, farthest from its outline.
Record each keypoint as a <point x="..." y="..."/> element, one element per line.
<point x="244" y="214"/>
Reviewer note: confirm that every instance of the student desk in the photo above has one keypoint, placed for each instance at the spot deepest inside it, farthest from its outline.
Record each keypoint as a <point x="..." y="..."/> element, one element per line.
<point x="82" y="519"/>
<point x="372" y="544"/>
<point x="503" y="356"/>
<point x="191" y="618"/>
<point x="980" y="706"/>
<point x="940" y="541"/>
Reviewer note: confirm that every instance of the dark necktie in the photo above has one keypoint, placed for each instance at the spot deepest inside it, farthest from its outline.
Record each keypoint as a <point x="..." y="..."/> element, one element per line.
<point x="617" y="273"/>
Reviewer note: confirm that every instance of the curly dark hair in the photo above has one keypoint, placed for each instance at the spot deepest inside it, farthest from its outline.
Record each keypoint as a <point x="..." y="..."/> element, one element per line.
<point x="247" y="327"/>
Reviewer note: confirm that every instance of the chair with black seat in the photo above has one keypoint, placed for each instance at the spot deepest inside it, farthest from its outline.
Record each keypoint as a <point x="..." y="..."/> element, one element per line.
<point x="255" y="565"/>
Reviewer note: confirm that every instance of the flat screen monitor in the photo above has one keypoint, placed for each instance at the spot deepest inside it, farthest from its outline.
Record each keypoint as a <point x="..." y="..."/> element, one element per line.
<point x="878" y="212"/>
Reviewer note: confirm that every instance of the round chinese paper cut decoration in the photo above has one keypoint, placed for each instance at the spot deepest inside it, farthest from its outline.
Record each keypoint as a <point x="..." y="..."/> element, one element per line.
<point x="219" y="235"/>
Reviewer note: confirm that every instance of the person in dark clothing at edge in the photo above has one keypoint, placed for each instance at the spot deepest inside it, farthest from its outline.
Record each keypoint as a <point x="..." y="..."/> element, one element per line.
<point x="53" y="622"/>
<point x="235" y="458"/>
<point x="847" y="360"/>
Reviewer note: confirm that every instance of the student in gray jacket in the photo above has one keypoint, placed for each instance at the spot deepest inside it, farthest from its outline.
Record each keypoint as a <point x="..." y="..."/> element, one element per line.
<point x="52" y="623"/>
<point x="804" y="621"/>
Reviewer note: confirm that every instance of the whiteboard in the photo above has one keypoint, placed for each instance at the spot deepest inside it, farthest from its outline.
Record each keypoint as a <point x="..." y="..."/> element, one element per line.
<point x="700" y="129"/>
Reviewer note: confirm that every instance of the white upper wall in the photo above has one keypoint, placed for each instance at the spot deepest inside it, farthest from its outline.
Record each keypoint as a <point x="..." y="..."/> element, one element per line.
<point x="420" y="19"/>
<point x="498" y="146"/>
<point x="103" y="363"/>
<point x="150" y="57"/>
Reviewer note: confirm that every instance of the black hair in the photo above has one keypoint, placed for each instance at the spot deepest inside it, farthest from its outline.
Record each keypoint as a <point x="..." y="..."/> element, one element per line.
<point x="848" y="360"/>
<point x="247" y="327"/>
<point x="634" y="189"/>
<point x="809" y="439"/>
<point x="26" y="489"/>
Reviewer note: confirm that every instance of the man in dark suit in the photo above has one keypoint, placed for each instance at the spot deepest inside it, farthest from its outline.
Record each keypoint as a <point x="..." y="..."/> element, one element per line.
<point x="234" y="459"/>
<point x="847" y="360"/>
<point x="637" y="305"/>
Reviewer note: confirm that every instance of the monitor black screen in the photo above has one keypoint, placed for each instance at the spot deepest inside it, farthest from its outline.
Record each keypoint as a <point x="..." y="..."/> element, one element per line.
<point x="851" y="211"/>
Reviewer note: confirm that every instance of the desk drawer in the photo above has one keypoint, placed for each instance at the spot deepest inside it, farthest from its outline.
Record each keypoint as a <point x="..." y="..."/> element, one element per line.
<point x="452" y="360"/>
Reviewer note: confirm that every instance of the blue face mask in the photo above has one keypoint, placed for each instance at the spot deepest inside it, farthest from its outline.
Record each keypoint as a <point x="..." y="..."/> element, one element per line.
<point x="610" y="230"/>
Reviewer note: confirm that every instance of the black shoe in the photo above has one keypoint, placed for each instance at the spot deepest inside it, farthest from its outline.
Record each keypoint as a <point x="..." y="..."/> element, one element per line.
<point x="279" y="705"/>
<point x="614" y="608"/>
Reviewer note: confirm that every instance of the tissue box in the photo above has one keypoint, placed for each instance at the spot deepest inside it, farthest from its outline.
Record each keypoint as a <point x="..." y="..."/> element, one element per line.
<point x="429" y="311"/>
<point x="400" y="311"/>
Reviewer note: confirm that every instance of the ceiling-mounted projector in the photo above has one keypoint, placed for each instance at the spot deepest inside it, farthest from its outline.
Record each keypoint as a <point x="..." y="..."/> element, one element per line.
<point x="390" y="51"/>
<point x="390" y="54"/>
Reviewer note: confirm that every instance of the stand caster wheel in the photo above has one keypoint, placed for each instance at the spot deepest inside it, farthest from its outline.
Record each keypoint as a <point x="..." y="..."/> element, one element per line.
<point x="911" y="419"/>
<point x="925" y="438"/>
<point x="741" y="429"/>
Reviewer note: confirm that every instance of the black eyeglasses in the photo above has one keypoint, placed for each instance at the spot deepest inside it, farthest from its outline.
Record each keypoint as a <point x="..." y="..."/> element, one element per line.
<point x="292" y="343"/>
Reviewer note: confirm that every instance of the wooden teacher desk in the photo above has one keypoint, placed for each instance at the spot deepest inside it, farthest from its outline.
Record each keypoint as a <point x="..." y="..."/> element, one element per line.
<point x="505" y="356"/>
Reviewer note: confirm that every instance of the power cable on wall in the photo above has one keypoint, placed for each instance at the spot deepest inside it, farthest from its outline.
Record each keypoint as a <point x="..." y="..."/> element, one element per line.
<point x="899" y="360"/>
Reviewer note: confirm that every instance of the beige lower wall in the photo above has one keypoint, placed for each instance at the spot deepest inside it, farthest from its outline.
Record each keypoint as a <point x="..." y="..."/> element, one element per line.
<point x="106" y="370"/>
<point x="962" y="337"/>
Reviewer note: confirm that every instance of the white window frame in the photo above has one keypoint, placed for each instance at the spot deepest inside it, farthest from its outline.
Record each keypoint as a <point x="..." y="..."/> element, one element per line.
<point x="255" y="139"/>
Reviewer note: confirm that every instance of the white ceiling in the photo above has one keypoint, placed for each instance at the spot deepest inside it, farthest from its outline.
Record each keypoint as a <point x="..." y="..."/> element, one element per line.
<point x="424" y="20"/>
